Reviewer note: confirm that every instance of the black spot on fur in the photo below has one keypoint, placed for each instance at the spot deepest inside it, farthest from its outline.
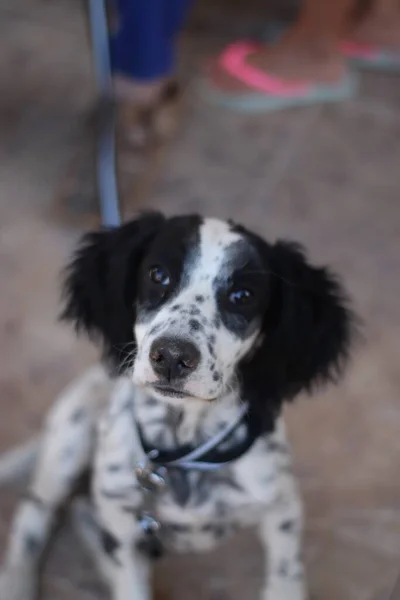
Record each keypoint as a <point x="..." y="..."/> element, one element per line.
<point x="114" y="468"/>
<point x="288" y="526"/>
<point x="78" y="415"/>
<point x="178" y="527"/>
<point x="179" y="486"/>
<point x="156" y="329"/>
<point x="151" y="546"/>
<point x="194" y="311"/>
<point x="112" y="494"/>
<point x="200" y="299"/>
<point x="110" y="544"/>
<point x="216" y="376"/>
<point x="283" y="569"/>
<point x="217" y="322"/>
<point x="219" y="531"/>
<point x="194" y="325"/>
<point x="221" y="509"/>
<point x="151" y="402"/>
<point x="33" y="544"/>
<point x="132" y="510"/>
<point x="211" y="350"/>
<point x="287" y="469"/>
<point x="278" y="447"/>
<point x="216" y="529"/>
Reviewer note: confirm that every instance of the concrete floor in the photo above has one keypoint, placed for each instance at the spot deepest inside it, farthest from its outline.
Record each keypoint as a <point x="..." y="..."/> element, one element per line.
<point x="328" y="177"/>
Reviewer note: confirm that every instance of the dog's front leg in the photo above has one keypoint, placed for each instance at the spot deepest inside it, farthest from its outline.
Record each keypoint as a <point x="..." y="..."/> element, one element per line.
<point x="65" y="453"/>
<point x="281" y="532"/>
<point x="128" y="570"/>
<point x="117" y="498"/>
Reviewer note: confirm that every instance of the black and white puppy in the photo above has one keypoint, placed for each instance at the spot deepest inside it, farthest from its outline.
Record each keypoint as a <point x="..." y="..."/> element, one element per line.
<point x="199" y="318"/>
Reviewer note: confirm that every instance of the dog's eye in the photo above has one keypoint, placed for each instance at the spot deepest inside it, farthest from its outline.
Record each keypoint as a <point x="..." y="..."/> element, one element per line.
<point x="159" y="276"/>
<point x="240" y="297"/>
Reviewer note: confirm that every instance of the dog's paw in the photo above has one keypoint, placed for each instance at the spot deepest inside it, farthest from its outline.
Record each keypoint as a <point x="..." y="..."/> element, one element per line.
<point x="17" y="584"/>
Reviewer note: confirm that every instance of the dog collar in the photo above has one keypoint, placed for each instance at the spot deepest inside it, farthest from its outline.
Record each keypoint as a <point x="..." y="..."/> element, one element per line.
<point x="207" y="456"/>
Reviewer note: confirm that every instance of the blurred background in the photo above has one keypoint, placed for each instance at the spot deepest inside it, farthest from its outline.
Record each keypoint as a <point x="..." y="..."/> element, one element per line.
<point x="327" y="176"/>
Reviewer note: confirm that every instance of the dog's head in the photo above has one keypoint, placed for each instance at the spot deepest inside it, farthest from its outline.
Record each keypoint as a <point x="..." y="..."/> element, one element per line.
<point x="192" y="307"/>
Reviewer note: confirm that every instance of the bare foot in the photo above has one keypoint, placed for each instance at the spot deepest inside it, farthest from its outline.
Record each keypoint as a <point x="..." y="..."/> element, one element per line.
<point x="136" y="101"/>
<point x="146" y="110"/>
<point x="379" y="30"/>
<point x="292" y="61"/>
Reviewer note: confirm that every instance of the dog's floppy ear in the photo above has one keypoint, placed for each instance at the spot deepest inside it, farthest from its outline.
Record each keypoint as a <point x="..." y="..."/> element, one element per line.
<point x="306" y="332"/>
<point x="100" y="283"/>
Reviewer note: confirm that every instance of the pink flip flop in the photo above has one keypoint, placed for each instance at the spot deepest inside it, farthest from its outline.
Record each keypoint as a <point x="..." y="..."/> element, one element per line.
<point x="367" y="56"/>
<point x="268" y="92"/>
<point x="234" y="61"/>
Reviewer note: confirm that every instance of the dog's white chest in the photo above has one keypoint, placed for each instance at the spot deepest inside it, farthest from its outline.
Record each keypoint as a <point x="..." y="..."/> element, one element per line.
<point x="198" y="509"/>
<point x="195" y="509"/>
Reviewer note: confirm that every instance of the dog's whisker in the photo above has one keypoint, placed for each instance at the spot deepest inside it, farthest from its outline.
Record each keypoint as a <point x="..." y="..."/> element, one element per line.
<point x="128" y="362"/>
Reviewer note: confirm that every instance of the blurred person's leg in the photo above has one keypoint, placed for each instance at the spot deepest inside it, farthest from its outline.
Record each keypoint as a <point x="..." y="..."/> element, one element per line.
<point x="308" y="51"/>
<point x="143" y="42"/>
<point x="381" y="25"/>
<point x="311" y="51"/>
<point x="143" y="51"/>
<point x="143" y="47"/>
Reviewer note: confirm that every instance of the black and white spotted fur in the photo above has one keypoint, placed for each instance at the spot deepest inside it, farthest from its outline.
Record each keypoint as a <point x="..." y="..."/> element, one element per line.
<point x="196" y="316"/>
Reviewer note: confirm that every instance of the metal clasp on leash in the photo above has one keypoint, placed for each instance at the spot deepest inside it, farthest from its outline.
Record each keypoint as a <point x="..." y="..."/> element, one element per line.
<point x="151" y="480"/>
<point x="149" y="476"/>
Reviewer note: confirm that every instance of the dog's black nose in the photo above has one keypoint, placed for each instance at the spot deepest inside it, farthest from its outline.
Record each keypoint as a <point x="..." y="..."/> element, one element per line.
<point x="173" y="359"/>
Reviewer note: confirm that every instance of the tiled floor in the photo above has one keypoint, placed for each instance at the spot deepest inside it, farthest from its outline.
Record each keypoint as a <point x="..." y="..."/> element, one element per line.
<point x="328" y="177"/>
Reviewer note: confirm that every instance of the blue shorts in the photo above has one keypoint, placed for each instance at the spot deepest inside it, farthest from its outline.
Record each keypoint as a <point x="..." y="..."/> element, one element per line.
<point x="143" y="46"/>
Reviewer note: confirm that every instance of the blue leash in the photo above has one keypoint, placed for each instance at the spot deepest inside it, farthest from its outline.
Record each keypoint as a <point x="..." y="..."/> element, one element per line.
<point x="106" y="163"/>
